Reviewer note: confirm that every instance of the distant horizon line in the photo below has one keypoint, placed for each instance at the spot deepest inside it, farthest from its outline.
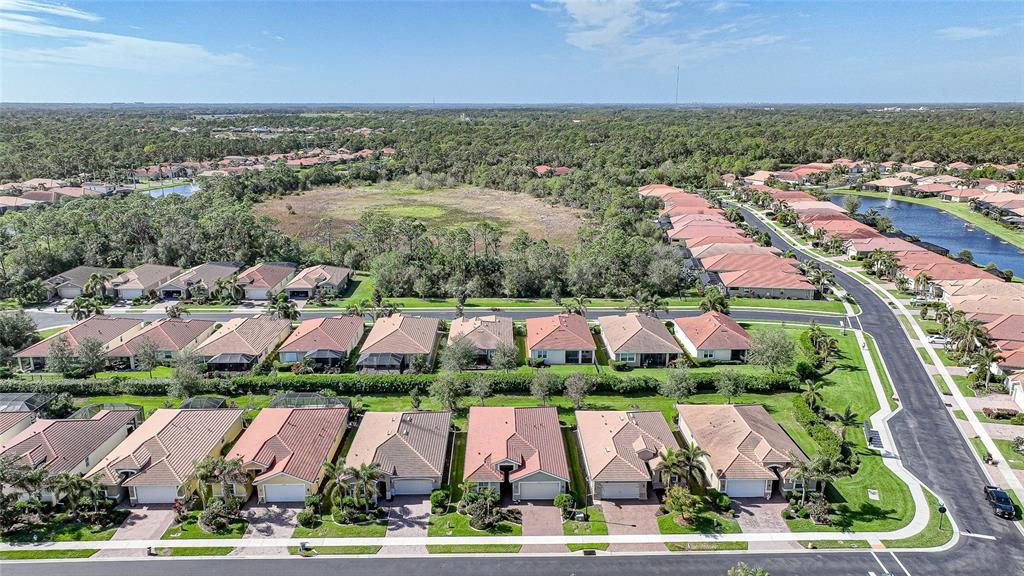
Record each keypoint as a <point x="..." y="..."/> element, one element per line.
<point x="517" y="104"/>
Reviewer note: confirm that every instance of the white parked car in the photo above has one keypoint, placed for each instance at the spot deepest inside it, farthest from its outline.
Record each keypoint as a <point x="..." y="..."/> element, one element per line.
<point x="937" y="339"/>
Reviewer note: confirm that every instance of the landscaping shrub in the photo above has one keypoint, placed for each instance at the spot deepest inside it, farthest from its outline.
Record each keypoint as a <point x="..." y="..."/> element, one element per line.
<point x="306" y="518"/>
<point x="314" y="501"/>
<point x="439" y="500"/>
<point x="1000" y="413"/>
<point x="618" y="365"/>
<point x="565" y="502"/>
<point x="827" y="440"/>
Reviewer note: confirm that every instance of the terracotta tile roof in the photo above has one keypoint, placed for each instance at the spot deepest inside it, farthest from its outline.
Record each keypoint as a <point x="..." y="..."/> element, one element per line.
<point x="932" y="188"/>
<point x="764" y="279"/>
<point x="741" y="440"/>
<point x="144" y="277"/>
<point x="16" y="202"/>
<point x="714" y="331"/>
<point x="106" y="329"/>
<point x="888" y="183"/>
<point x="530" y="437"/>
<point x="803" y="206"/>
<point x="401" y="334"/>
<point x="485" y="332"/>
<point x="925" y="164"/>
<point x="251" y="335"/>
<point x="701" y="229"/>
<point x="9" y="420"/>
<point x="699" y="241"/>
<point x="623" y="446"/>
<point x="314" y="276"/>
<point x="403" y="444"/>
<point x="637" y="333"/>
<point x="965" y="193"/>
<point x="884" y="244"/>
<point x="732" y="261"/>
<point x="684" y="199"/>
<point x="959" y="166"/>
<point x="169" y="335"/>
<point x="759" y="176"/>
<point x="1007" y="327"/>
<point x="710" y="250"/>
<point x="165" y="448"/>
<point x="266" y="275"/>
<point x="982" y="287"/>
<point x="983" y="304"/>
<point x="658" y="190"/>
<point x="559" y="332"/>
<point x="63" y="445"/>
<point x="334" y="333"/>
<point x="291" y="441"/>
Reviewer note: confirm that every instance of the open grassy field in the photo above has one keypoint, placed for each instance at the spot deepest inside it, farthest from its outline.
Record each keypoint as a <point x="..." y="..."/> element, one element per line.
<point x="438" y="207"/>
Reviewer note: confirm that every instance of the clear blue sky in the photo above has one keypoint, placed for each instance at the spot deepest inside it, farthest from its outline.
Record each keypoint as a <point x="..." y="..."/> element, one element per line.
<point x="563" y="51"/>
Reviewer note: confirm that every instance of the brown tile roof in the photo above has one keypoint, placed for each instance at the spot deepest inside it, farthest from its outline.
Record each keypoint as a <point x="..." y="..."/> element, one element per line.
<point x="335" y="333"/>
<point x="884" y="244"/>
<point x="106" y="329"/>
<point x="982" y="304"/>
<point x="144" y="277"/>
<point x="530" y="437"/>
<point x="403" y="444"/>
<point x="291" y="441"/>
<point x="16" y="202"/>
<point x="247" y="335"/>
<point x="484" y="332"/>
<point x="401" y="334"/>
<point x="637" y="333"/>
<point x="207" y="273"/>
<point x="9" y="420"/>
<point x="165" y="448"/>
<point x="63" y="445"/>
<point x="314" y="276"/>
<point x="764" y="279"/>
<point x="984" y="287"/>
<point x="77" y="276"/>
<point x="559" y="332"/>
<point x="935" y="188"/>
<point x="266" y="275"/>
<point x="169" y="335"/>
<point x="623" y="446"/>
<point x="741" y="440"/>
<point x="714" y="331"/>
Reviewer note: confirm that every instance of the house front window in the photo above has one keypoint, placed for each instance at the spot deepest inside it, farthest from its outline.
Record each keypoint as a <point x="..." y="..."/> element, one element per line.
<point x="540" y="354"/>
<point x="587" y="357"/>
<point x="707" y="354"/>
<point x="626" y="357"/>
<point x="572" y="356"/>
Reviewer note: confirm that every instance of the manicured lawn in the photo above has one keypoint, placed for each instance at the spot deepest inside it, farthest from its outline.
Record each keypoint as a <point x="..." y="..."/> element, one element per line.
<point x="9" y="304"/>
<point x="1013" y="458"/>
<point x="886" y="384"/>
<point x="47" y="332"/>
<point x="455" y="524"/>
<point x="834" y="544"/>
<point x="458" y="463"/>
<point x="158" y="372"/>
<point x="964" y="385"/>
<point x="195" y="551"/>
<point x="577" y="482"/>
<point x="707" y="522"/>
<point x="941" y="383"/>
<point x="329" y="529"/>
<point x="474" y="549"/>
<point x="595" y="525"/>
<point x="338" y="550"/>
<point x="978" y="446"/>
<point x="190" y="530"/>
<point x="59" y="530"/>
<point x="44" y="554"/>
<point x="933" y="535"/>
<point x="705" y="546"/>
<point x="151" y="403"/>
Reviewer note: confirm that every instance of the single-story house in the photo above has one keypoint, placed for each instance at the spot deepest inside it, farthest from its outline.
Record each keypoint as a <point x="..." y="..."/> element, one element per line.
<point x="241" y="343"/>
<point x="638" y="340"/>
<point x="156" y="463"/>
<point x="486" y="333"/>
<point x="259" y="280"/>
<point x="730" y="262"/>
<point x="622" y="452"/>
<point x="141" y="280"/>
<point x="394" y="341"/>
<point x="520" y="446"/>
<point x="15" y="203"/>
<point x="327" y="278"/>
<point x="767" y="284"/>
<point x="285" y="450"/>
<point x="931" y="189"/>
<point x="409" y="447"/>
<point x="172" y="336"/>
<point x="11" y="423"/>
<point x="326" y="341"/>
<point x="106" y="329"/>
<point x="861" y="247"/>
<point x="713" y="336"/>
<point x="757" y="178"/>
<point x="71" y="283"/>
<point x="749" y="454"/>
<point x="894" y="185"/>
<point x="709" y="250"/>
<point x="198" y="278"/>
<point x="69" y="445"/>
<point x="658" y="190"/>
<point x="924" y="166"/>
<point x="963" y="194"/>
<point x="560" y="339"/>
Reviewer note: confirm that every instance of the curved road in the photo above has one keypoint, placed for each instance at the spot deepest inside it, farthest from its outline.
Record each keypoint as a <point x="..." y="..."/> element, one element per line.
<point x="926" y="437"/>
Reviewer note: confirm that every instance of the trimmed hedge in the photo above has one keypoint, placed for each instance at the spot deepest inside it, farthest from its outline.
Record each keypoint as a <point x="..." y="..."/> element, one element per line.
<point x="375" y="384"/>
<point x="828" y="441"/>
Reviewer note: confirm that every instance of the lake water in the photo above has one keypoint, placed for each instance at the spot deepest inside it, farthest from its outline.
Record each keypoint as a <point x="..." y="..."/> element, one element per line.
<point x="943" y="229"/>
<point x="185" y="189"/>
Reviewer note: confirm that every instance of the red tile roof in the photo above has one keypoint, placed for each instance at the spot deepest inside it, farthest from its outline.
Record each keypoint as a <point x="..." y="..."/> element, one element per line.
<point x="169" y="335"/>
<point x="335" y="333"/>
<point x="266" y="275"/>
<point x="291" y="441"/>
<point x="559" y="332"/>
<point x="106" y="329"/>
<point x="764" y="279"/>
<point x="64" y="445"/>
<point x="714" y="331"/>
<point x="530" y="437"/>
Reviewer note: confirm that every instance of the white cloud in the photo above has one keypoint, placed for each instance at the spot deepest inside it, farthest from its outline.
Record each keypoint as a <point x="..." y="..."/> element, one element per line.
<point x="966" y="32"/>
<point x="723" y="6"/>
<point x="80" y="47"/>
<point x="629" y="31"/>
<point x="544" y="7"/>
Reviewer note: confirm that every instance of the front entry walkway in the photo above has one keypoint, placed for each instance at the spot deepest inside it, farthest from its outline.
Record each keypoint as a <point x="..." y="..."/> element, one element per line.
<point x="408" y="517"/>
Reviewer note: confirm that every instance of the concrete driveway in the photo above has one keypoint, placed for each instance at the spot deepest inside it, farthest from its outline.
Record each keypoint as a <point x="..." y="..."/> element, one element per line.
<point x="408" y="517"/>
<point x="145" y="523"/>
<point x="267" y="521"/>
<point x="632" y="517"/>
<point x="541" y="519"/>
<point x="760" y="515"/>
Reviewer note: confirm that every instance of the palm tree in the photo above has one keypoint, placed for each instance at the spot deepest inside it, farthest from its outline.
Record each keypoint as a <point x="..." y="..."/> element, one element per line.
<point x="227" y="290"/>
<point x="691" y="464"/>
<point x="231" y="473"/>
<point x="96" y="284"/>
<point x="577" y="305"/>
<point x="983" y="360"/>
<point x="845" y="420"/>
<point x="82" y="308"/>
<point x="285" y="309"/>
<point x="175" y="311"/>
<point x="670" y="466"/>
<point x="364" y="481"/>
<point x="207" y="472"/>
<point x="71" y="488"/>
<point x="714" y="300"/>
<point x="801" y="471"/>
<point x="646" y="304"/>
<point x="968" y="336"/>
<point x="921" y="282"/>
<point x="336" y="484"/>
<point x="812" y="394"/>
<point x="944" y="316"/>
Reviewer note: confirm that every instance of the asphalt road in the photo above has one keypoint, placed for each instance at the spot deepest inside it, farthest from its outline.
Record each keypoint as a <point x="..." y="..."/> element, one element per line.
<point x="926" y="437"/>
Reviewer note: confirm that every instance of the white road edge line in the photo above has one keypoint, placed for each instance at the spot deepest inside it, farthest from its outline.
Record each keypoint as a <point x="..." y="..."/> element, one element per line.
<point x="982" y="536"/>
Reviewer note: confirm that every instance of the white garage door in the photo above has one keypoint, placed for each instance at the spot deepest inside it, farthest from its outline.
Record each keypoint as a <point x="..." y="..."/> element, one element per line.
<point x="539" y="490"/>
<point x="744" y="488"/>
<point x="156" y="494"/>
<point x="413" y="486"/>
<point x="620" y="491"/>
<point x="285" y="492"/>
<point x="130" y="293"/>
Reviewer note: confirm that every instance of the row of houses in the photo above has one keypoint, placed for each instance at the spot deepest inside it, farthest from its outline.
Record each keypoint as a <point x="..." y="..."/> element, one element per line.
<point x="232" y="165"/>
<point x="721" y="249"/>
<point x="18" y="196"/>
<point x="393" y="343"/>
<point x="256" y="282"/>
<point x="816" y="172"/>
<point x="522" y="448"/>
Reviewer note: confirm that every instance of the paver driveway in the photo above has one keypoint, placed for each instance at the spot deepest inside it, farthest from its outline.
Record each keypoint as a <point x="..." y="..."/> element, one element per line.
<point x="760" y="515"/>
<point x="145" y="523"/>
<point x="632" y="517"/>
<point x="408" y="517"/>
<point x="267" y="521"/>
<point x="541" y="519"/>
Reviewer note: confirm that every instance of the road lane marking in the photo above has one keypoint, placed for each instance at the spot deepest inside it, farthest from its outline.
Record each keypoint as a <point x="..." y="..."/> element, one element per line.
<point x="905" y="571"/>
<point x="884" y="569"/>
<point x="983" y="536"/>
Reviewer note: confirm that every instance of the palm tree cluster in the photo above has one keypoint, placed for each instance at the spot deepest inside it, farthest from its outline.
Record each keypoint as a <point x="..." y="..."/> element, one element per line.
<point x="647" y="304"/>
<point x="220" y="471"/>
<point x="882" y="263"/>
<point x="577" y="305"/>
<point x="825" y="346"/>
<point x="353" y="485"/>
<point x="83" y="307"/>
<point x="714" y="300"/>
<point x="70" y="490"/>
<point x="820" y="277"/>
<point x="684" y="465"/>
